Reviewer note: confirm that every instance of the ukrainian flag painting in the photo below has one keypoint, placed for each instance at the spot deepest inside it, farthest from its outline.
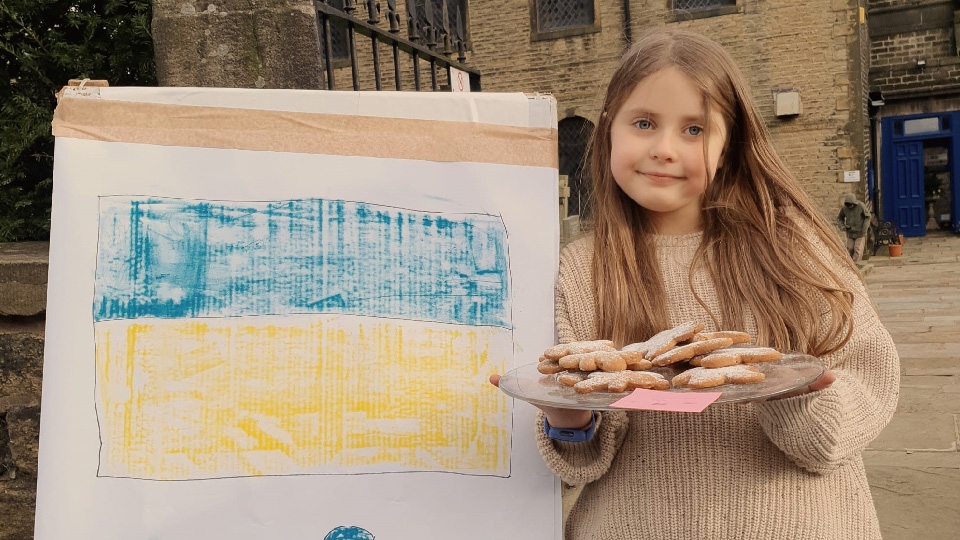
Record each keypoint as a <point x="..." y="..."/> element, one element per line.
<point x="308" y="336"/>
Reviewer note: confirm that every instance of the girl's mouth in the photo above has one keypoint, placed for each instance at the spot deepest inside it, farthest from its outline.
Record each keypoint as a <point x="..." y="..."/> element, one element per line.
<point x="660" y="177"/>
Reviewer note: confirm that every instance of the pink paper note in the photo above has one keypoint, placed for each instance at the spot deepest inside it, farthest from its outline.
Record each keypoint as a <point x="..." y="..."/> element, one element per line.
<point x="657" y="400"/>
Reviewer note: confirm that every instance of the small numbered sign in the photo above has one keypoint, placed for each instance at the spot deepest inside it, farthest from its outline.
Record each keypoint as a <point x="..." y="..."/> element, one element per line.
<point x="459" y="80"/>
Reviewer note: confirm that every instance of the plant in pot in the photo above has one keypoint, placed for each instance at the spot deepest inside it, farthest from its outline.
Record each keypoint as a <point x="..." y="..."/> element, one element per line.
<point x="896" y="247"/>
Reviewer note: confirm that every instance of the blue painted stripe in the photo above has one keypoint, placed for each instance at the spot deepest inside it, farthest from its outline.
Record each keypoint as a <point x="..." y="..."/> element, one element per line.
<point x="173" y="258"/>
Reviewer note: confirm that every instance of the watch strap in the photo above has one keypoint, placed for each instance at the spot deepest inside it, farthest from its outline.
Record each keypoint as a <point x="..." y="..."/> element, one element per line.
<point x="571" y="435"/>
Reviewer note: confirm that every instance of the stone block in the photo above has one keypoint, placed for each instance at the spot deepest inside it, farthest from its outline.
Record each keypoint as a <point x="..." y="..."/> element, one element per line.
<point x="238" y="45"/>
<point x="21" y="370"/>
<point x="23" y="278"/>
<point x="17" y="503"/>
<point x="928" y="394"/>
<point x="18" y="488"/>
<point x="917" y="495"/>
<point x="918" y="432"/>
<point x="23" y="428"/>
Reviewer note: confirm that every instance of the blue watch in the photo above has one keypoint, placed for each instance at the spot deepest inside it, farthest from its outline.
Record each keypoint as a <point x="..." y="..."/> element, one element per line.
<point x="571" y="435"/>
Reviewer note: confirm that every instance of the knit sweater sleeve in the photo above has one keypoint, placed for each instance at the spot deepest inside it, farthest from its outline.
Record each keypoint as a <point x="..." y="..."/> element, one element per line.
<point x="821" y="430"/>
<point x="580" y="463"/>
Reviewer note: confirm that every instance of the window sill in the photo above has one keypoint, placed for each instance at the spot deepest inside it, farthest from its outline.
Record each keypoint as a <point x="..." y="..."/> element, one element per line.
<point x="565" y="33"/>
<point x="688" y="15"/>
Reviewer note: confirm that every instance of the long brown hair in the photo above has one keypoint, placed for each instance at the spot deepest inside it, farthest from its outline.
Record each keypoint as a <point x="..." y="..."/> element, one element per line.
<point x="756" y="219"/>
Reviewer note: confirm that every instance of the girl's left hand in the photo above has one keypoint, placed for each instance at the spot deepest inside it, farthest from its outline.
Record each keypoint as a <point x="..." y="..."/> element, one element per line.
<point x="824" y="381"/>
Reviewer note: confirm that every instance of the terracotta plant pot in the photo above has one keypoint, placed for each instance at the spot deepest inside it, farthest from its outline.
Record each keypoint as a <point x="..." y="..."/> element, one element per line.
<point x="895" y="249"/>
<point x="901" y="238"/>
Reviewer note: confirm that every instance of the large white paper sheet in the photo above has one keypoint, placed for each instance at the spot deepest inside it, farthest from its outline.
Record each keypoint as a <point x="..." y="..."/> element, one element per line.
<point x="235" y="348"/>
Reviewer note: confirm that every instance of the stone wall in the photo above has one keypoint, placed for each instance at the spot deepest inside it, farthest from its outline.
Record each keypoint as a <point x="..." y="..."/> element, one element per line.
<point x="914" y="55"/>
<point x="23" y="283"/>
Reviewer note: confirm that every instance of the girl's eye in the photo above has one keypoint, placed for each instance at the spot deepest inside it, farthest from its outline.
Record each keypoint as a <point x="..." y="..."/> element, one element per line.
<point x="643" y="124"/>
<point x="695" y="130"/>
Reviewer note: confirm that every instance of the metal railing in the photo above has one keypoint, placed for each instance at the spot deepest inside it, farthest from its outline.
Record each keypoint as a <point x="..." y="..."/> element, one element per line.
<point x="426" y="42"/>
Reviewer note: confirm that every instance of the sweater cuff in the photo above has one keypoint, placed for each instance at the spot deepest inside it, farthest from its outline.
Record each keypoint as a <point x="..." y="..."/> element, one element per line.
<point x="578" y="463"/>
<point x="820" y="409"/>
<point x="806" y="427"/>
<point x="788" y="414"/>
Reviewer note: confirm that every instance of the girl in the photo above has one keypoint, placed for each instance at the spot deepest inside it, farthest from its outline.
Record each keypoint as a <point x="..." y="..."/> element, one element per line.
<point x="696" y="218"/>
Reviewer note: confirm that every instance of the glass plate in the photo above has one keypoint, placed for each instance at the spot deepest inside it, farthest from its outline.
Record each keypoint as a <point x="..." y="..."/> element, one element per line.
<point x="792" y="371"/>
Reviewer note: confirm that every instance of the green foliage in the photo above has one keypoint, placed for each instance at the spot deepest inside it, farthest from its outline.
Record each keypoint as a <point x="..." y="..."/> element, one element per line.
<point x="43" y="44"/>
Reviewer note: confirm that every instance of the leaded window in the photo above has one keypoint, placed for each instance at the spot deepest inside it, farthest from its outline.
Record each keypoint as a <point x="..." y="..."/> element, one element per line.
<point x="573" y="136"/>
<point x="338" y="35"/>
<point x="553" y="15"/>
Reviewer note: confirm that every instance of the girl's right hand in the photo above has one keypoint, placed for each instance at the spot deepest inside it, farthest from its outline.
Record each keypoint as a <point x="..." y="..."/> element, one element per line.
<point x="559" y="418"/>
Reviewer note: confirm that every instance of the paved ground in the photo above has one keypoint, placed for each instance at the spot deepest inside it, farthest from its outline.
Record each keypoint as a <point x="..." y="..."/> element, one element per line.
<point x="914" y="466"/>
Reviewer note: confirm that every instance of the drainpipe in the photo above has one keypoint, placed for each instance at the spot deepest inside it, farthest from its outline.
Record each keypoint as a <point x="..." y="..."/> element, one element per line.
<point x="626" y="23"/>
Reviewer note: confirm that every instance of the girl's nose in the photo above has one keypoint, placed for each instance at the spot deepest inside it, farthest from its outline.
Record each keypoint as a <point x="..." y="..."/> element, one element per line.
<point x="662" y="148"/>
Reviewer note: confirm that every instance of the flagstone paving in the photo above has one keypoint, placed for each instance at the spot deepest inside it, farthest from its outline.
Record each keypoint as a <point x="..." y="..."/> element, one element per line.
<point x="914" y="465"/>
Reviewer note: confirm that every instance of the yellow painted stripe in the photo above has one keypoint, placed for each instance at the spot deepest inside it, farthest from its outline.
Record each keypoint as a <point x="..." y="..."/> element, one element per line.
<point x="321" y="394"/>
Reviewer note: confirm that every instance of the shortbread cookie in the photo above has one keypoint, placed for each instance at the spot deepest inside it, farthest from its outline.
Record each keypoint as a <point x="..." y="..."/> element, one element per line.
<point x="701" y="377"/>
<point x="578" y="347"/>
<point x="593" y="361"/>
<point x="737" y="355"/>
<point x="570" y="378"/>
<point x="737" y="337"/>
<point x="668" y="339"/>
<point x="640" y="348"/>
<point x="635" y="360"/>
<point x="688" y="351"/>
<point x="717" y="359"/>
<point x="621" y="381"/>
<point x="548" y="366"/>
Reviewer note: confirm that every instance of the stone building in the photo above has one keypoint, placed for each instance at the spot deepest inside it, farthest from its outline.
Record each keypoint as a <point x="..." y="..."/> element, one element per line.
<point x="915" y="96"/>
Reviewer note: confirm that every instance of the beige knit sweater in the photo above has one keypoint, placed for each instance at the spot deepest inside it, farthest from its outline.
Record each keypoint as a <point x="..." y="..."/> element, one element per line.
<point x="785" y="469"/>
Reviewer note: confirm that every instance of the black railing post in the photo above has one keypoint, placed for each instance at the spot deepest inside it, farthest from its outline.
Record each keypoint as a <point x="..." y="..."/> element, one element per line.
<point x="461" y="40"/>
<point x="413" y="32"/>
<point x="394" y="17"/>
<point x="349" y="6"/>
<point x="445" y="30"/>
<point x="431" y="41"/>
<point x="373" y="17"/>
<point x="324" y="23"/>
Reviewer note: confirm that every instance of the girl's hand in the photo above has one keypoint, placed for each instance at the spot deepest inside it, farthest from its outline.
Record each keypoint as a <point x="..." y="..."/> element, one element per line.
<point x="824" y="381"/>
<point x="559" y="418"/>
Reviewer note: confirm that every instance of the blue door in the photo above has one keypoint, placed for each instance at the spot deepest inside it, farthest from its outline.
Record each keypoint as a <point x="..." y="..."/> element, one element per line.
<point x="909" y="205"/>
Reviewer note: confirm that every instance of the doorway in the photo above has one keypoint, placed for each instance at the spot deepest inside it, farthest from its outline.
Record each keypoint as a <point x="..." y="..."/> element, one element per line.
<point x="920" y="173"/>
